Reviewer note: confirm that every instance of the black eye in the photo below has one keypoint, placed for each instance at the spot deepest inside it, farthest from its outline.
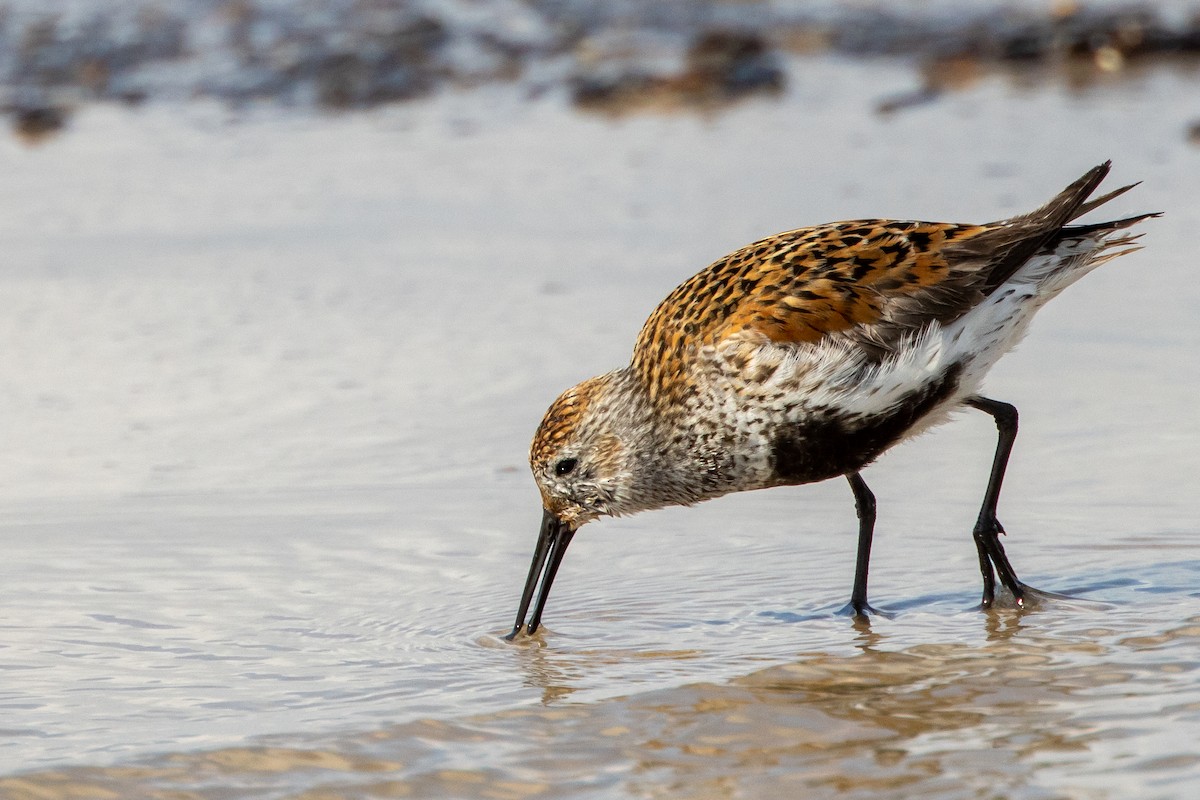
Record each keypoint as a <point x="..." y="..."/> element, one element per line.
<point x="565" y="466"/>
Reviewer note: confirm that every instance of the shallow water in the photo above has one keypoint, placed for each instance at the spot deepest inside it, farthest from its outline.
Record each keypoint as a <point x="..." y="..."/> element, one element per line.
<point x="269" y="382"/>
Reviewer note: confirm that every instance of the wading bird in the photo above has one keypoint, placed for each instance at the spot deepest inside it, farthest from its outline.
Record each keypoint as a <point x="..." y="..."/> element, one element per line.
<point x="805" y="356"/>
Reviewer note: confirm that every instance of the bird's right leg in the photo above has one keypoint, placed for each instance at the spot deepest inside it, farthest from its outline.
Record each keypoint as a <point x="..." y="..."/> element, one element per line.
<point x="987" y="526"/>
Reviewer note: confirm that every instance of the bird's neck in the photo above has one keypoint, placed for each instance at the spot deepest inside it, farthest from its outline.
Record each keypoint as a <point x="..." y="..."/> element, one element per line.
<point x="672" y="461"/>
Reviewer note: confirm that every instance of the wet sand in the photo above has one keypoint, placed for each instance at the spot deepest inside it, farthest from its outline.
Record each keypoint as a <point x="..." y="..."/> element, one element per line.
<point x="269" y="381"/>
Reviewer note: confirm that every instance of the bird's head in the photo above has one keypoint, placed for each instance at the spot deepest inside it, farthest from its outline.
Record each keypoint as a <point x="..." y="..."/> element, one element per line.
<point x="580" y="454"/>
<point x="585" y="459"/>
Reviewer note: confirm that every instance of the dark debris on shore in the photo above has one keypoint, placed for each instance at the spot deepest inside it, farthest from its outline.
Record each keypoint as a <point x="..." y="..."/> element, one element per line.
<point x="612" y="57"/>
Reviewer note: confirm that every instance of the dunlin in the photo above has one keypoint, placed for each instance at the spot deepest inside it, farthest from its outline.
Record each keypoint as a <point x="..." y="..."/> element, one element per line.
<point x="806" y="355"/>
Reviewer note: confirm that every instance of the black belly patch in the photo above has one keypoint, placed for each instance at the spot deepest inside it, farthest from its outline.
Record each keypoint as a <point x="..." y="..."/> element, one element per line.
<point x="830" y="444"/>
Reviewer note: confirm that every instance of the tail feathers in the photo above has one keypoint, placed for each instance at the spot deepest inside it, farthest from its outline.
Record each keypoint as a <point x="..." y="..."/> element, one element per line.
<point x="1076" y="255"/>
<point x="1108" y="249"/>
<point x="1094" y="244"/>
<point x="1095" y="237"/>
<point x="1010" y="243"/>
<point x="1007" y="246"/>
<point x="1072" y="231"/>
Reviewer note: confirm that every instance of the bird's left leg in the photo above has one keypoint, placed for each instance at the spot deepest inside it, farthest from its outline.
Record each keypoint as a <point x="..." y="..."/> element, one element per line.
<point x="864" y="504"/>
<point x="987" y="526"/>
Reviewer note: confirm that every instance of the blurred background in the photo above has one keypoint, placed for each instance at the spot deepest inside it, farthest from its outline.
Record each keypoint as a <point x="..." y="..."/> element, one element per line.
<point x="287" y="286"/>
<point x="621" y="56"/>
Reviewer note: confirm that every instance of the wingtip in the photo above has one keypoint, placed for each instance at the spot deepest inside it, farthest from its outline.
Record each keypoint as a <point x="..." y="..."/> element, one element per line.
<point x="1072" y="202"/>
<point x="1096" y="202"/>
<point x="1097" y="173"/>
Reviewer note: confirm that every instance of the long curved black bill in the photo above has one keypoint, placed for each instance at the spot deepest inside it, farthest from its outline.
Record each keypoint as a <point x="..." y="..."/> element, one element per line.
<point x="553" y="539"/>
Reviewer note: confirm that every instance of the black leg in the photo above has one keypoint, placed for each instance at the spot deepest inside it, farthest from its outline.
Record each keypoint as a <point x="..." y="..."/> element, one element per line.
<point x="864" y="504"/>
<point x="987" y="526"/>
